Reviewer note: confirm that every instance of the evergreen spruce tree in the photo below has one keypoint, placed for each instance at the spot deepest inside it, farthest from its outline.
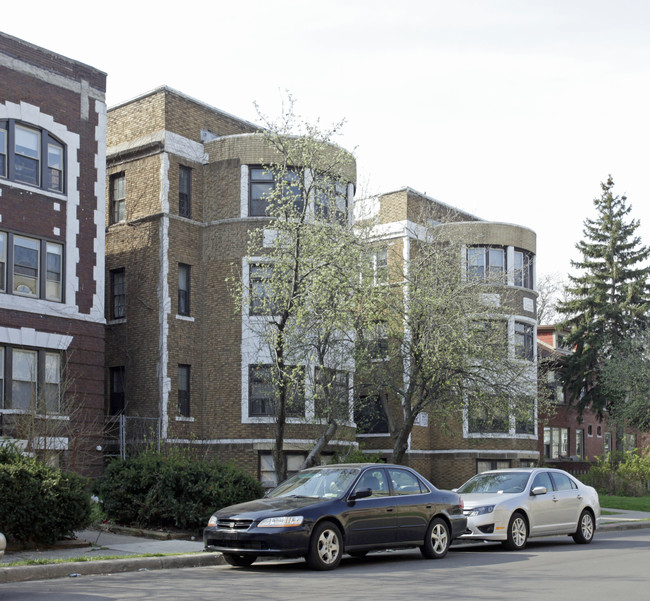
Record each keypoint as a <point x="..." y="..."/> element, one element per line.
<point x="606" y="301"/>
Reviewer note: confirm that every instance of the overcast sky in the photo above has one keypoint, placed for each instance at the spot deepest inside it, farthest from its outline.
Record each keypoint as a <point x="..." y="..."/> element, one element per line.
<point x="514" y="110"/>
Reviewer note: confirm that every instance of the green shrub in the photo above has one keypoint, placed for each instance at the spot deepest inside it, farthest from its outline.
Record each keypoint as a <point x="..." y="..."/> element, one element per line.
<point x="39" y="504"/>
<point x="625" y="474"/>
<point x="151" y="490"/>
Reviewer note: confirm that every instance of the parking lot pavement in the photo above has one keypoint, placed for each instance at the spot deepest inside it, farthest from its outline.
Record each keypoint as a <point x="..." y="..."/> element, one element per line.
<point x="128" y="547"/>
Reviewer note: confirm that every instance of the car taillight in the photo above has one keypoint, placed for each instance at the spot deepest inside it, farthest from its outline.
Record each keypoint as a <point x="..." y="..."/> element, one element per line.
<point x="460" y="503"/>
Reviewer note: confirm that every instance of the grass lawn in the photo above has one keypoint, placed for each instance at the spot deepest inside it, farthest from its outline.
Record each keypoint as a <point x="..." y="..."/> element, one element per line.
<point x="629" y="503"/>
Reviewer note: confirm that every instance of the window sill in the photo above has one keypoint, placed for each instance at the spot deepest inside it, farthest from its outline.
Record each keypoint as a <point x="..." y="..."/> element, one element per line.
<point x="181" y="418"/>
<point x="184" y="318"/>
<point x="114" y="322"/>
<point x="52" y="416"/>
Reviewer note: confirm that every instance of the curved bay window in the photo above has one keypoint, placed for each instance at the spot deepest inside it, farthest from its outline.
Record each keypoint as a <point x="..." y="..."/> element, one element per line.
<point x="31" y="156"/>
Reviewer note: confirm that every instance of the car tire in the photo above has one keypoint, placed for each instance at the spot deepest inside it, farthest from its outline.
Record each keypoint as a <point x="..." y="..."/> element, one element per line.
<point x="241" y="561"/>
<point x="517" y="532"/>
<point x="584" y="534"/>
<point x="437" y="541"/>
<point x="325" y="547"/>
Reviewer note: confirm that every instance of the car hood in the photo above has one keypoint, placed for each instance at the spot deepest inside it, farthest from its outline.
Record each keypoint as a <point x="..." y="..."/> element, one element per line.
<point x="269" y="507"/>
<point x="478" y="499"/>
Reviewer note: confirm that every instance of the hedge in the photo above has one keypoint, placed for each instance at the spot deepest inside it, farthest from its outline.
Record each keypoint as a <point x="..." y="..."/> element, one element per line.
<point x="40" y="504"/>
<point x="152" y="490"/>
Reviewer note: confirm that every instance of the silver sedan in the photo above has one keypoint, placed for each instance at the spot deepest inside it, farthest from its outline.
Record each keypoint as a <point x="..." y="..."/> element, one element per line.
<point x="514" y="505"/>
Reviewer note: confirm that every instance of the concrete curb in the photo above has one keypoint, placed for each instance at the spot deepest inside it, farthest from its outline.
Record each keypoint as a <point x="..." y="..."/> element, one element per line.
<point x="168" y="562"/>
<point x="108" y="566"/>
<point x="631" y="525"/>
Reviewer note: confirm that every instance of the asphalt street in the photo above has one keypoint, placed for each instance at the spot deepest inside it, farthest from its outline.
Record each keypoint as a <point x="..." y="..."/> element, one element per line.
<point x="614" y="566"/>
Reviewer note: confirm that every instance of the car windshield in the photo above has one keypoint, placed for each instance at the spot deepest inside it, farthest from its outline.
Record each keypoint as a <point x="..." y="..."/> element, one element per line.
<point x="326" y="483"/>
<point x="496" y="483"/>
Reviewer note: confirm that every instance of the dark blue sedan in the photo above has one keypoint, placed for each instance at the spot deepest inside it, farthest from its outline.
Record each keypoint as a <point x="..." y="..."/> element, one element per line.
<point x="322" y="512"/>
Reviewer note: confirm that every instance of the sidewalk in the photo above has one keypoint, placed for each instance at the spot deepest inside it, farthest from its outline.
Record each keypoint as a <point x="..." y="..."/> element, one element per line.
<point x="124" y="546"/>
<point x="128" y="545"/>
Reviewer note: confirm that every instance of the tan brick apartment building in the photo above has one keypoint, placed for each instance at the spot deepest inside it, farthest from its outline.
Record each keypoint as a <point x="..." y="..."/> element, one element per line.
<point x="183" y="184"/>
<point x="52" y="181"/>
<point x="403" y="219"/>
<point x="182" y="195"/>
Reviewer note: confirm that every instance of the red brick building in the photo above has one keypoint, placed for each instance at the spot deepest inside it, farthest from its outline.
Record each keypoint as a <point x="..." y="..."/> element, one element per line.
<point x="565" y="434"/>
<point x="52" y="174"/>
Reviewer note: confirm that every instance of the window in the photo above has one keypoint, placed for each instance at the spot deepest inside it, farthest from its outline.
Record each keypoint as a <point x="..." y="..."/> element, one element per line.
<point x="268" y="477"/>
<point x="405" y="483"/>
<point x="580" y="444"/>
<point x="486" y="264"/>
<point x="525" y="421"/>
<point x="184" y="273"/>
<point x="330" y="199"/>
<point x="117" y="388"/>
<point x="31" y="156"/>
<point x="118" y="294"/>
<point x="118" y="197"/>
<point x="3" y="150"/>
<point x="24" y="381"/>
<point x="485" y="465"/>
<point x="185" y="191"/>
<point x="379" y="264"/>
<point x="27" y="155"/>
<point x="554" y="388"/>
<point x="53" y="260"/>
<point x="369" y="415"/>
<point x="543" y="479"/>
<point x="375" y="341"/>
<point x="26" y="263"/>
<point x="607" y="442"/>
<point x="599" y="431"/>
<point x="35" y="267"/>
<point x="262" y="391"/>
<point x="523" y="269"/>
<point x="590" y="430"/>
<point x="30" y="379"/>
<point x="562" y="481"/>
<point x="260" y="302"/>
<point x="629" y="442"/>
<point x="52" y="391"/>
<point x="376" y="481"/>
<point x="331" y="399"/>
<point x="3" y="262"/>
<point x="484" y="420"/>
<point x="556" y="443"/>
<point x="262" y="183"/>
<point x="184" y="390"/>
<point x="524" y="339"/>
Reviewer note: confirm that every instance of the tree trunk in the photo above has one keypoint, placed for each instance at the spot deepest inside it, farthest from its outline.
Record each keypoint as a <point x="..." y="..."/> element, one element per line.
<point x="314" y="455"/>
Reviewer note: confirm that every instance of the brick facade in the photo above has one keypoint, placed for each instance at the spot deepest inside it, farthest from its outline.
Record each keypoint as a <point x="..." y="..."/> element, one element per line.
<point x="53" y="98"/>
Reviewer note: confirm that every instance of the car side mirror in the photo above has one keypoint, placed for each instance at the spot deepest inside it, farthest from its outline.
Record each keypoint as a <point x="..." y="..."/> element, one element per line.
<point x="361" y="494"/>
<point x="538" y="490"/>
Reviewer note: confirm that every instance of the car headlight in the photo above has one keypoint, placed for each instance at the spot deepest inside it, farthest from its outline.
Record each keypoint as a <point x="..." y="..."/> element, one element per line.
<point x="480" y="510"/>
<point x="283" y="522"/>
<point x="212" y="521"/>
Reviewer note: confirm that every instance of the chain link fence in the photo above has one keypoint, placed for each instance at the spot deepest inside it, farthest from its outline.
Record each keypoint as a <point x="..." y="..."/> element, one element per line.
<point x="125" y="435"/>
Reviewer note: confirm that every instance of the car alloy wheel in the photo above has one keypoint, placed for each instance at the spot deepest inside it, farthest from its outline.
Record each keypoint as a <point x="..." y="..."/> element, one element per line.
<point x="517" y="532"/>
<point x="437" y="541"/>
<point x="585" y="532"/>
<point x="325" y="547"/>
